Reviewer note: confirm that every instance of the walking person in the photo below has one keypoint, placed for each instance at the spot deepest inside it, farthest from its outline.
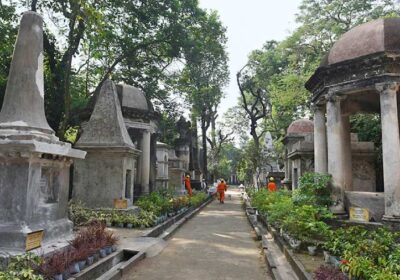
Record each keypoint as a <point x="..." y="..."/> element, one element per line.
<point x="221" y="188"/>
<point x="188" y="185"/>
<point x="271" y="185"/>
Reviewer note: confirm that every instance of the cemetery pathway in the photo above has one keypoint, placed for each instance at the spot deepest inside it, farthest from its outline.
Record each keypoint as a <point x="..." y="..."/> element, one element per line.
<point x="218" y="243"/>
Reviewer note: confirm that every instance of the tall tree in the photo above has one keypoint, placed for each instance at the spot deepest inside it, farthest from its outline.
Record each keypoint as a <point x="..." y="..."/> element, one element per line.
<point x="87" y="41"/>
<point x="255" y="101"/>
<point x="282" y="68"/>
<point x="8" y="32"/>
<point x="205" y="74"/>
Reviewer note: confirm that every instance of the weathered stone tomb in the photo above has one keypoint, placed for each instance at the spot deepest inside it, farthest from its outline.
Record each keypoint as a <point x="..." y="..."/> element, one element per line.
<point x="34" y="164"/>
<point x="108" y="171"/>
<point x="360" y="74"/>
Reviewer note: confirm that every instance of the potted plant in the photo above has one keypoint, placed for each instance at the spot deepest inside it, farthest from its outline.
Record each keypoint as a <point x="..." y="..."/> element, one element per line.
<point x="54" y="266"/>
<point x="131" y="221"/>
<point x="119" y="220"/>
<point x="73" y="265"/>
<point x="110" y="240"/>
<point x="81" y="256"/>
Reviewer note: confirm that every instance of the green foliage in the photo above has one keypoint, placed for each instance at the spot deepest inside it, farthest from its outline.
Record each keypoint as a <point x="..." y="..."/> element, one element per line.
<point x="154" y="202"/>
<point x="313" y="190"/>
<point x="282" y="68"/>
<point x="306" y="223"/>
<point x="154" y="205"/>
<point x="198" y="199"/>
<point x="22" y="268"/>
<point x="86" y="42"/>
<point x="8" y="32"/>
<point x="366" y="254"/>
<point x="344" y="239"/>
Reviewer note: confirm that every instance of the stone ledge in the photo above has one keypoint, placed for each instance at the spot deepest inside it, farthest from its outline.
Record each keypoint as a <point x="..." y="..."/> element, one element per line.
<point x="158" y="230"/>
<point x="294" y="262"/>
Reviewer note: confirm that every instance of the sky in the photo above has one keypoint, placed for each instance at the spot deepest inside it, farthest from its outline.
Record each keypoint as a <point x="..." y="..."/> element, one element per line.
<point x="250" y="24"/>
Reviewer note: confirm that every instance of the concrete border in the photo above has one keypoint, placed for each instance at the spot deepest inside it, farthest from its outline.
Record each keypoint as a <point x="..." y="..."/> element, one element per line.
<point x="106" y="265"/>
<point x="159" y="230"/>
<point x="294" y="262"/>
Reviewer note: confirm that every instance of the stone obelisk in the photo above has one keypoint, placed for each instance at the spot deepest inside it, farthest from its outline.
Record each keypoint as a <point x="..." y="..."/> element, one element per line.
<point x="34" y="164"/>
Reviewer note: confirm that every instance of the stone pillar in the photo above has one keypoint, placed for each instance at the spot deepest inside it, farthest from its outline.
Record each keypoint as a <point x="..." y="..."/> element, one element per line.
<point x="320" y="148"/>
<point x="336" y="157"/>
<point x="145" y="162"/>
<point x="390" y="149"/>
<point x="347" y="168"/>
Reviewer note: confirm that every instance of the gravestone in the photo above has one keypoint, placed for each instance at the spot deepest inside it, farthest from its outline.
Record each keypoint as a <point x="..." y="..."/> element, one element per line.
<point x="34" y="164"/>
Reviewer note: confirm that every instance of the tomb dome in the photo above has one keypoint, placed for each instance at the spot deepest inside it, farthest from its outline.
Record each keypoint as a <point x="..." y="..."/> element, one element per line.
<point x="378" y="36"/>
<point x="301" y="126"/>
<point x="133" y="98"/>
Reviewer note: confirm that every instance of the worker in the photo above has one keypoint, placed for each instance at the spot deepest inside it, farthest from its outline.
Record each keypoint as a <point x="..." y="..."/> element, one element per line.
<point x="271" y="185"/>
<point x="188" y="185"/>
<point x="221" y="188"/>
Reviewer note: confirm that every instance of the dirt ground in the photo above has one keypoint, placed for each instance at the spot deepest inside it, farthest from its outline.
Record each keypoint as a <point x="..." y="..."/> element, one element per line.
<point x="217" y="244"/>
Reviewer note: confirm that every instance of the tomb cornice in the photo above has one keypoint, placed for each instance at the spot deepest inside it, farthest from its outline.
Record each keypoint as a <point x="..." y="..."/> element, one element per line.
<point x="354" y="74"/>
<point x="139" y="125"/>
<point x="102" y="149"/>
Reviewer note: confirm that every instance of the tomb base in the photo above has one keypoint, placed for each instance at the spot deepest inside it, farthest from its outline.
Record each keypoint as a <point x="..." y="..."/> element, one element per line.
<point x="13" y="236"/>
<point x="393" y="222"/>
<point x="34" y="184"/>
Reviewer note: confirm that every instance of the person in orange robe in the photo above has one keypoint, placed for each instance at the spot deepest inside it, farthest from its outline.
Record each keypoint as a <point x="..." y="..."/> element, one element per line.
<point x="271" y="185"/>
<point x="188" y="185"/>
<point x="221" y="188"/>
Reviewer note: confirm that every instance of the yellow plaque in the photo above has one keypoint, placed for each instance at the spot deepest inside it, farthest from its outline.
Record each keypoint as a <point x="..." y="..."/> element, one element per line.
<point x="120" y="203"/>
<point x="34" y="240"/>
<point x="359" y="214"/>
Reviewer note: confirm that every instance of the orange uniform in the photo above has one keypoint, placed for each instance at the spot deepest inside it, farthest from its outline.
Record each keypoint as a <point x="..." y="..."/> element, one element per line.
<point x="188" y="186"/>
<point x="221" y="188"/>
<point x="271" y="186"/>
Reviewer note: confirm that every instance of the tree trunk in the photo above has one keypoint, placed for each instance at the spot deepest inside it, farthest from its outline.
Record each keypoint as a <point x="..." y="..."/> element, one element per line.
<point x="213" y="153"/>
<point x="204" y="145"/>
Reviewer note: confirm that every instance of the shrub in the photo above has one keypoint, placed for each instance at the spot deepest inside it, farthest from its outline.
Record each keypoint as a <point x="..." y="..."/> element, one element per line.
<point x="197" y="199"/>
<point x="263" y="200"/>
<point x="24" y="267"/>
<point x="344" y="239"/>
<point x="313" y="190"/>
<point x="305" y="223"/>
<point x="53" y="265"/>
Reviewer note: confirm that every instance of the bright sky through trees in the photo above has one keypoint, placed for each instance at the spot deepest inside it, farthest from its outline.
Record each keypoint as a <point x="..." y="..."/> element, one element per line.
<point x="250" y="24"/>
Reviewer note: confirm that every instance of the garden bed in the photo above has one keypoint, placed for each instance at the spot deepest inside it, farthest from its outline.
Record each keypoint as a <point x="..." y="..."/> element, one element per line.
<point x="113" y="265"/>
<point x="301" y="220"/>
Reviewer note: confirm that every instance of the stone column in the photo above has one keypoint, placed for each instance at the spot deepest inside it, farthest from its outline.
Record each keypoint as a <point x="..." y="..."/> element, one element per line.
<point x="145" y="163"/>
<point x="320" y="148"/>
<point x="348" y="166"/>
<point x="390" y="149"/>
<point x="336" y="157"/>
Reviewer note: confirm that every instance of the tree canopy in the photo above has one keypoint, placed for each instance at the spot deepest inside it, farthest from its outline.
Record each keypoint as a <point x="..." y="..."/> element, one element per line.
<point x="280" y="69"/>
<point x="143" y="43"/>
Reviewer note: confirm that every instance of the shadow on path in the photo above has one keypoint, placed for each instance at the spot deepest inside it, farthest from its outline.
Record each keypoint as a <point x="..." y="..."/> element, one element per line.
<point x="218" y="243"/>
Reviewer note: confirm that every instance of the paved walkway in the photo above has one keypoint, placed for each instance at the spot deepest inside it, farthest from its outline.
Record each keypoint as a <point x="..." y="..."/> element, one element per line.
<point x="216" y="244"/>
